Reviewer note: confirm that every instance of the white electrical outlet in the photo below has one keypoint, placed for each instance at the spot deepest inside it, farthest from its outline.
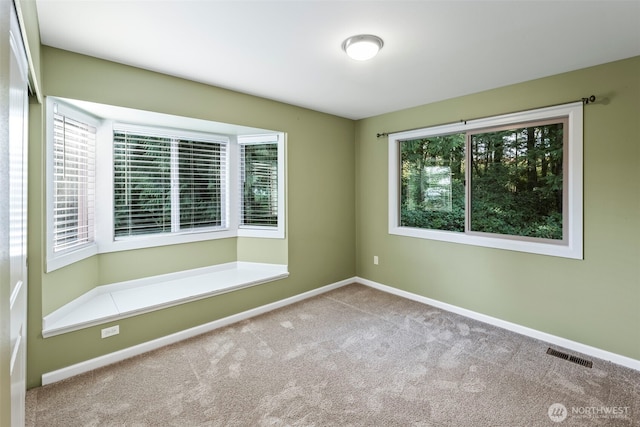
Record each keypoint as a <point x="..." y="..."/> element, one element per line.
<point x="109" y="332"/>
<point x="375" y="259"/>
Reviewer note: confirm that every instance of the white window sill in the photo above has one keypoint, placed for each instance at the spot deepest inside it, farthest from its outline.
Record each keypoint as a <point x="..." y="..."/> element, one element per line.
<point x="559" y="249"/>
<point x="125" y="299"/>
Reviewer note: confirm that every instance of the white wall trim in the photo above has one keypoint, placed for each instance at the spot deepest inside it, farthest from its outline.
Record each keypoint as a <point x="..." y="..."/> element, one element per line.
<point x="108" y="359"/>
<point x="523" y="330"/>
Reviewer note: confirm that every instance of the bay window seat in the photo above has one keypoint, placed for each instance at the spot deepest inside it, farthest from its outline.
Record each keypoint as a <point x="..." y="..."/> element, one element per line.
<point x="116" y="301"/>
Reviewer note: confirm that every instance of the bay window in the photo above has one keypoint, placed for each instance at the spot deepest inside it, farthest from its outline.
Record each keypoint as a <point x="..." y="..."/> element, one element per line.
<point x="120" y="179"/>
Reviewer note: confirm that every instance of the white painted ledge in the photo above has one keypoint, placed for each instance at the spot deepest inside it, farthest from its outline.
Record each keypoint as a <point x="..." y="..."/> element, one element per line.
<point x="116" y="301"/>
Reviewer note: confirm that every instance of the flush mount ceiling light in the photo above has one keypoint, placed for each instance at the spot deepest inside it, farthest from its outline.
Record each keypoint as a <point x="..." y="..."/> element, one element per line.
<point x="362" y="47"/>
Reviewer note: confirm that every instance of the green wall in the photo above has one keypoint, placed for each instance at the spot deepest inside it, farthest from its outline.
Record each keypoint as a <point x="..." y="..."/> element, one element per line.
<point x="595" y="301"/>
<point x="337" y="217"/>
<point x="320" y="220"/>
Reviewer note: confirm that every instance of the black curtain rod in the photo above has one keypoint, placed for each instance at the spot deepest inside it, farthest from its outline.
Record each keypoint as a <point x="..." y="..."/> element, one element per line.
<point x="585" y="101"/>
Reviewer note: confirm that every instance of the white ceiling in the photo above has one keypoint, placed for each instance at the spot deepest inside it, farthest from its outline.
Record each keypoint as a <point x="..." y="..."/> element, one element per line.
<point x="290" y="51"/>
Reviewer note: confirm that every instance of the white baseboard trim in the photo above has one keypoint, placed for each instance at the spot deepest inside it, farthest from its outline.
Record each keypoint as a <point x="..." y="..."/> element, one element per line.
<point x="108" y="359"/>
<point x="543" y="336"/>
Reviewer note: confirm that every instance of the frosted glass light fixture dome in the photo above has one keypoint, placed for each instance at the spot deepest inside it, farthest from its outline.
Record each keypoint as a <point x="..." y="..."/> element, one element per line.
<point x="362" y="47"/>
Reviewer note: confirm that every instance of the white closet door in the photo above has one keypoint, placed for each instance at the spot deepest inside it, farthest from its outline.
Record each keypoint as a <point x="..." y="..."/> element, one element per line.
<point x="18" y="119"/>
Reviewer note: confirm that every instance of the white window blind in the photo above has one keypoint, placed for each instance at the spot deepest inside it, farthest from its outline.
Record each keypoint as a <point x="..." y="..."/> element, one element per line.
<point x="165" y="184"/>
<point x="259" y="184"/>
<point x="73" y="182"/>
<point x="141" y="184"/>
<point x="202" y="176"/>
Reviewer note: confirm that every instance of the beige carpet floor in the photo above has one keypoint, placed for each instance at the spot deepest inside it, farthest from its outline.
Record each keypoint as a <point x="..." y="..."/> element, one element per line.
<point x="351" y="357"/>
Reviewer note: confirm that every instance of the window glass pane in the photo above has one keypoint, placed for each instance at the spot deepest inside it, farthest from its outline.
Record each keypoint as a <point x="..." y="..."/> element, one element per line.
<point x="142" y="184"/>
<point x="517" y="181"/>
<point x="74" y="183"/>
<point x="259" y="186"/>
<point x="201" y="172"/>
<point x="432" y="183"/>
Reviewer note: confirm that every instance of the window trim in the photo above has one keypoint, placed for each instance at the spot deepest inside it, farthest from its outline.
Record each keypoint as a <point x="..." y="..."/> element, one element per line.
<point x="60" y="259"/>
<point x="571" y="248"/>
<point x="105" y="208"/>
<point x="264" y="231"/>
